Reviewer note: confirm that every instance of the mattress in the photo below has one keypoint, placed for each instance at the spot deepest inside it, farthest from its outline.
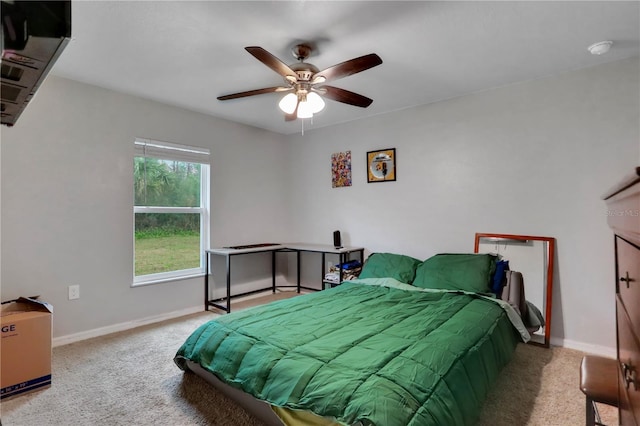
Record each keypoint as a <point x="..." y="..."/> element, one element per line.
<point x="373" y="351"/>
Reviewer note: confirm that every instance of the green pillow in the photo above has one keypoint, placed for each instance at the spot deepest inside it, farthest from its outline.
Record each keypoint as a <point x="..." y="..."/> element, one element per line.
<point x="467" y="272"/>
<point x="382" y="265"/>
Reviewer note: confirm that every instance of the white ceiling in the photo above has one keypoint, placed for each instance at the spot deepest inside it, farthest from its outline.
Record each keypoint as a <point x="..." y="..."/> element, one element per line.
<point x="186" y="53"/>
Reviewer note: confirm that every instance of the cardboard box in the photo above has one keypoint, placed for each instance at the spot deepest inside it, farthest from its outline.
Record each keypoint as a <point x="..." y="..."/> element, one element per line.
<point x="25" y="347"/>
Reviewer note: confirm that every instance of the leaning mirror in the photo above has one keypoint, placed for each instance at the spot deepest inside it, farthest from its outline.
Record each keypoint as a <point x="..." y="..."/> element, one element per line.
<point x="533" y="257"/>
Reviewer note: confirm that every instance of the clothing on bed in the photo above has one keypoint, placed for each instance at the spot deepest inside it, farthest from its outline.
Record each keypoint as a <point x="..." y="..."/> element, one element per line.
<point x="372" y="350"/>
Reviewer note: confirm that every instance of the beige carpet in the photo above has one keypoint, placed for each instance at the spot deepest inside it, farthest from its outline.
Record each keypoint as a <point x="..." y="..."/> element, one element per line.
<point x="129" y="378"/>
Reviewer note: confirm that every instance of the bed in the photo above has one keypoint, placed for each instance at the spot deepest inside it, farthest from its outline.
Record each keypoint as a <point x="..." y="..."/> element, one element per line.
<point x="408" y="343"/>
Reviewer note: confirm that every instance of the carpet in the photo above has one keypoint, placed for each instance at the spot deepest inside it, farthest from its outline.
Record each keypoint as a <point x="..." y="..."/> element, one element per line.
<point x="129" y="378"/>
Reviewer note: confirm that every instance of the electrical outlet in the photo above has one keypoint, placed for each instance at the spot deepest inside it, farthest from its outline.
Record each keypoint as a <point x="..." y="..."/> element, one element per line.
<point x="74" y="292"/>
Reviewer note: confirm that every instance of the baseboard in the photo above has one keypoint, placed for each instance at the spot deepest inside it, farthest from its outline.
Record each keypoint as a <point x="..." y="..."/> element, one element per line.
<point x="605" y="351"/>
<point x="97" y="332"/>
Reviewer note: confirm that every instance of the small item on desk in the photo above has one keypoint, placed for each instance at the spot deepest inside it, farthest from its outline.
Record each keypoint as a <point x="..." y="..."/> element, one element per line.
<point x="337" y="241"/>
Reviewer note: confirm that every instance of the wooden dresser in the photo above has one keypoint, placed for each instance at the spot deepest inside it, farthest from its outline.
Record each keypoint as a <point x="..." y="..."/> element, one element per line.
<point x="623" y="216"/>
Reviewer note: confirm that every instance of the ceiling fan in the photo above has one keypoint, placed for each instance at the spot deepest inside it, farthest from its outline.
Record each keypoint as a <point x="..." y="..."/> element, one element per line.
<point x="305" y="83"/>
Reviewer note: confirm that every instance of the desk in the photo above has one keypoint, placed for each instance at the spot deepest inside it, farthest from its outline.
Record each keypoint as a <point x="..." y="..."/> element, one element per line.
<point x="228" y="253"/>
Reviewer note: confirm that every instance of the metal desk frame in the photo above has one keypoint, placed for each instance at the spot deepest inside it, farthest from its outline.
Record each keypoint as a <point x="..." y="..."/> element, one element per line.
<point x="224" y="303"/>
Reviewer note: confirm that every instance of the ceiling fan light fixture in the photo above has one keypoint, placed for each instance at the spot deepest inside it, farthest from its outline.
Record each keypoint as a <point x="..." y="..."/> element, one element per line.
<point x="316" y="102"/>
<point x="305" y="109"/>
<point x="288" y="103"/>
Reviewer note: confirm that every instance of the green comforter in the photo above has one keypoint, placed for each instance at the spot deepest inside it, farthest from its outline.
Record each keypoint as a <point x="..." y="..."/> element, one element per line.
<point x="372" y="350"/>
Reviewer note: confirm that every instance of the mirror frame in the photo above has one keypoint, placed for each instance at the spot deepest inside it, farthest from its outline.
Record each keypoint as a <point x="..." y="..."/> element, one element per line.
<point x="550" y="257"/>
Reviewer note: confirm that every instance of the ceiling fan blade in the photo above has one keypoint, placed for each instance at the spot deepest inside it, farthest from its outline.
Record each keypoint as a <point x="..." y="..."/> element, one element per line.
<point x="345" y="96"/>
<point x="347" y="68"/>
<point x="272" y="62"/>
<point x="254" y="92"/>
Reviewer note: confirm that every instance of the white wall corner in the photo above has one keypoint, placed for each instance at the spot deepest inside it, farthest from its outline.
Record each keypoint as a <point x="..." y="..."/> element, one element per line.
<point x="605" y="351"/>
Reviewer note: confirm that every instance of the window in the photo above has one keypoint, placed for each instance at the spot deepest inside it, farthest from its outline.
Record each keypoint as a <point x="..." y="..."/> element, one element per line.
<point x="171" y="211"/>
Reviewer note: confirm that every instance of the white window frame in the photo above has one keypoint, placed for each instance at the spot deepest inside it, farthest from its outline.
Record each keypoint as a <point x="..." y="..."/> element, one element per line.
<point x="190" y="154"/>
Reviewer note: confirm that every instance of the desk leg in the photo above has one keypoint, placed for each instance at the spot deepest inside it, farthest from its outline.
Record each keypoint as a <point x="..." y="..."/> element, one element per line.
<point x="323" y="271"/>
<point x="298" y="268"/>
<point x="228" y="284"/>
<point x="273" y="271"/>
<point x="206" y="282"/>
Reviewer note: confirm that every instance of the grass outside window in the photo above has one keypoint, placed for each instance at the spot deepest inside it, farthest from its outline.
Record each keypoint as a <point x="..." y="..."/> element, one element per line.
<point x="165" y="252"/>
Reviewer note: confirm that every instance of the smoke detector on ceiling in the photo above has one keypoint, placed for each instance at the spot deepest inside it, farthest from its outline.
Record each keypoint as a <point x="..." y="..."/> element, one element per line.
<point x="600" y="48"/>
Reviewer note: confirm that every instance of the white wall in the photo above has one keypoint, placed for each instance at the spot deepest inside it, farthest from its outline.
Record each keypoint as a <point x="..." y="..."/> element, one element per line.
<point x="67" y="198"/>
<point x="531" y="158"/>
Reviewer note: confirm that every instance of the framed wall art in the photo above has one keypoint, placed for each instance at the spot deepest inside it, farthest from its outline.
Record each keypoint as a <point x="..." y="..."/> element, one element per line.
<point x="341" y="169"/>
<point x="381" y="165"/>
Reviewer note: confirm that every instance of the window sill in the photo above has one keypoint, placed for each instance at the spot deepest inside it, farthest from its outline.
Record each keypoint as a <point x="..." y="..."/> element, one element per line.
<point x="152" y="281"/>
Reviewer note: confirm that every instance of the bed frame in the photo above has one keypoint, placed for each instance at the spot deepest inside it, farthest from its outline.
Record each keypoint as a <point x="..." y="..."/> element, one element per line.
<point x="259" y="409"/>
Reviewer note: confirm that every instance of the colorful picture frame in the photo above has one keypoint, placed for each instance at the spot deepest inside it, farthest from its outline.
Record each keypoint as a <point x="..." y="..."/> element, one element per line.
<point x="341" y="169"/>
<point x="381" y="165"/>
